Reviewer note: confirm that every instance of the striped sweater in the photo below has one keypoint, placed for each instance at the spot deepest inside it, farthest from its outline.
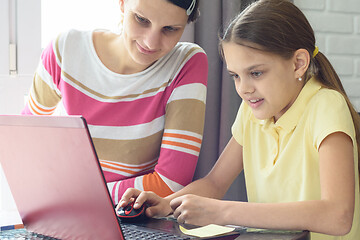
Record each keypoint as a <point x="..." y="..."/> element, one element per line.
<point x="146" y="127"/>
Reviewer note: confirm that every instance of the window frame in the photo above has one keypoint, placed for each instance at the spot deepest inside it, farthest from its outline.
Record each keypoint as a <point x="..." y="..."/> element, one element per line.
<point x="4" y="39"/>
<point x="15" y="18"/>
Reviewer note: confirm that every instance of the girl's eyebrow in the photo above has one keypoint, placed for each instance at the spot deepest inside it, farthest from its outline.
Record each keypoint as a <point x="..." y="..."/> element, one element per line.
<point x="248" y="69"/>
<point x="255" y="66"/>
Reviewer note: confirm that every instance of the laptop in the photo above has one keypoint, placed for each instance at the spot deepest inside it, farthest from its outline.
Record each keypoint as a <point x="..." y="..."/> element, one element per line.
<point x="57" y="183"/>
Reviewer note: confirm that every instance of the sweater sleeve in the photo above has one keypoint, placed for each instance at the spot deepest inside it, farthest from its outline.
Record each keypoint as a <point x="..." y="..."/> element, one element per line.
<point x="182" y="136"/>
<point x="44" y="94"/>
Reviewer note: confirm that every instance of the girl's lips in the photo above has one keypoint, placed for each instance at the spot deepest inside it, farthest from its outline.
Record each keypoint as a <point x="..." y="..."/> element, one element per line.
<point x="255" y="103"/>
<point x="143" y="50"/>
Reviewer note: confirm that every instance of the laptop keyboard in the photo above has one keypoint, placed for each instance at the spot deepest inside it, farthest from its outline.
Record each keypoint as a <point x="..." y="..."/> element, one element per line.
<point x="130" y="233"/>
<point x="134" y="233"/>
<point x="22" y="234"/>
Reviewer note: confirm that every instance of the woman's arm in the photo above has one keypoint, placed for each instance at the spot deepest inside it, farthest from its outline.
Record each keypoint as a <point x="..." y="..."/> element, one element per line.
<point x="44" y="94"/>
<point x="182" y="103"/>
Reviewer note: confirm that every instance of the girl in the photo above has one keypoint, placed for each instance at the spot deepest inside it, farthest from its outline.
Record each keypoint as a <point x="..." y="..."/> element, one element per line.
<point x="141" y="92"/>
<point x="296" y="136"/>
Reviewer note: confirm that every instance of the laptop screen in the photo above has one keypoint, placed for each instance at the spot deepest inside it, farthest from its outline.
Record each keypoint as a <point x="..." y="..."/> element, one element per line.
<point x="55" y="177"/>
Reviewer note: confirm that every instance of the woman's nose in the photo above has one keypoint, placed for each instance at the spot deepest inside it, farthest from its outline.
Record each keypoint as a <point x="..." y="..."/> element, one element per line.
<point x="152" y="39"/>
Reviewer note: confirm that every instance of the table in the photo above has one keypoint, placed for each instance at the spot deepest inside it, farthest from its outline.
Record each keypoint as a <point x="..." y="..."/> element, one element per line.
<point x="275" y="235"/>
<point x="7" y="217"/>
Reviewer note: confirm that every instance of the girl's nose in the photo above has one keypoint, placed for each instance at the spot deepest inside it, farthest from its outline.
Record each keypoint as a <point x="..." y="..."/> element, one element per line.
<point x="244" y="86"/>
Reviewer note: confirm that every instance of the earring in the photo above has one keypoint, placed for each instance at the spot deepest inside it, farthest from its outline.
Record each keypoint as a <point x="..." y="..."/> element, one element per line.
<point x="300" y="78"/>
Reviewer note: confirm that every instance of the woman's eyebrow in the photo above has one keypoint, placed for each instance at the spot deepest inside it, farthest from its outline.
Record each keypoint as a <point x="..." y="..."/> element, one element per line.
<point x="141" y="14"/>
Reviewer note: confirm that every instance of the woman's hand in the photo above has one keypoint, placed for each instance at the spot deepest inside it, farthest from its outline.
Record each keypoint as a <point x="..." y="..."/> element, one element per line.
<point x="196" y="210"/>
<point x="156" y="206"/>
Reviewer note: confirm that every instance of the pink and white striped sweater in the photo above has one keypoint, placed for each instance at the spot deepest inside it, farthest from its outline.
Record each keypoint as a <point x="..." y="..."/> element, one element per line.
<point x="147" y="127"/>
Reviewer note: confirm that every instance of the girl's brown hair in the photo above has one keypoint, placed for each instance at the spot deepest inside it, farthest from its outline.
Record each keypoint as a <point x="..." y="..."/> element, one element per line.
<point x="279" y="27"/>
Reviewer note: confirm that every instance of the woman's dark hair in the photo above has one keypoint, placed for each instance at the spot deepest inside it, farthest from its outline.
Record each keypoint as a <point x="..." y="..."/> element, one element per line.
<point x="279" y="27"/>
<point x="194" y="14"/>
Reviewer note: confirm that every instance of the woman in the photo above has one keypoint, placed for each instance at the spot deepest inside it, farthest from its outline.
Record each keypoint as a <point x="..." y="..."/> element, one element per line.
<point x="142" y="93"/>
<point x="296" y="136"/>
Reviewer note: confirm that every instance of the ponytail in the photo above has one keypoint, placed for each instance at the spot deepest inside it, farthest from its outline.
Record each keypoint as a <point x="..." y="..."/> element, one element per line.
<point x="327" y="75"/>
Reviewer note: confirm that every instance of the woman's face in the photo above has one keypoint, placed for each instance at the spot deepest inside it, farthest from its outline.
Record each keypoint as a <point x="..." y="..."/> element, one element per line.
<point x="266" y="82"/>
<point x="151" y="29"/>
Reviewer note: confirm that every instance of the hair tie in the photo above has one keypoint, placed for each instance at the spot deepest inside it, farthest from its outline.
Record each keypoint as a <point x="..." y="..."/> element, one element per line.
<point x="315" y="52"/>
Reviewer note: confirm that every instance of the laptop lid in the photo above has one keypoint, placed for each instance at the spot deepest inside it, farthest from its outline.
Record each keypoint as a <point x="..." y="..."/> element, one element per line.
<point x="55" y="177"/>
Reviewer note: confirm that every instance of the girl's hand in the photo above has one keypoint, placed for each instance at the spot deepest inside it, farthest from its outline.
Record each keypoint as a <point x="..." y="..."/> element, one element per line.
<point x="156" y="206"/>
<point x="196" y="210"/>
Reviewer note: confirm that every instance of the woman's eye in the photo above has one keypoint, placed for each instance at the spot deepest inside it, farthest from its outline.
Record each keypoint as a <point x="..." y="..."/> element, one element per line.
<point x="141" y="19"/>
<point x="170" y="29"/>
<point x="256" y="74"/>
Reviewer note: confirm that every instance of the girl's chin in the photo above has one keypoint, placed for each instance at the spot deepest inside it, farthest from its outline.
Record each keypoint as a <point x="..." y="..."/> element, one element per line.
<point x="261" y="116"/>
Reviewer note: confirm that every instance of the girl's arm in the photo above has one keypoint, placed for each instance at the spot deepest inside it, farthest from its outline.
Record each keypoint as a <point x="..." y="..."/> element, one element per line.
<point x="217" y="182"/>
<point x="332" y="214"/>
<point x="214" y="185"/>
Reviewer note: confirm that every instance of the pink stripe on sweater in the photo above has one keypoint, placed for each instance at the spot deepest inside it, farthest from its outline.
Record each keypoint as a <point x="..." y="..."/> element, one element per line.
<point x="198" y="65"/>
<point x="193" y="71"/>
<point x="129" y="183"/>
<point x="179" y="168"/>
<point x="26" y="110"/>
<point x="49" y="61"/>
<point x="103" y="113"/>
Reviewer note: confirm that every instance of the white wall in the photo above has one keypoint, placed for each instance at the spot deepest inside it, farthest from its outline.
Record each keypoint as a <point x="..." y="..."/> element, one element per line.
<point x="337" y="29"/>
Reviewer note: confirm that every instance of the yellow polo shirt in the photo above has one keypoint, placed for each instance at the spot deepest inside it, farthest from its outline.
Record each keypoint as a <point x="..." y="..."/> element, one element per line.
<point x="281" y="160"/>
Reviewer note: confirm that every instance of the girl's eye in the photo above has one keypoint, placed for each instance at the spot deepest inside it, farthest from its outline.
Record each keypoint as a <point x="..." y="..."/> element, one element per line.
<point x="256" y="74"/>
<point x="141" y="19"/>
<point x="234" y="76"/>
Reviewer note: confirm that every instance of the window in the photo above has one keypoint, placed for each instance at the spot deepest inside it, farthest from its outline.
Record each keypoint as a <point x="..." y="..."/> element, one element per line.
<point x="4" y="39"/>
<point x="30" y="25"/>
<point x="60" y="15"/>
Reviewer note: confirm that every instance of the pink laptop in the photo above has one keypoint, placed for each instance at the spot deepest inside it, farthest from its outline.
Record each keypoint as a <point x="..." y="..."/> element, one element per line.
<point x="49" y="190"/>
<point x="57" y="183"/>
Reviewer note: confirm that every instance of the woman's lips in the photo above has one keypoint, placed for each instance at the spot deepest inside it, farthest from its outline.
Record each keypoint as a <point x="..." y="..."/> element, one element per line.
<point x="144" y="50"/>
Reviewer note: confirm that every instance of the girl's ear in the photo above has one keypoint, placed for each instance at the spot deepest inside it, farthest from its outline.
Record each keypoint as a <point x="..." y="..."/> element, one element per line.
<point x="301" y="62"/>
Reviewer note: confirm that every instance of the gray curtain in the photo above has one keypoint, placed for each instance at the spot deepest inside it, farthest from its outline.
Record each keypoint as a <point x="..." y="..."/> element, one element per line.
<point x="222" y="99"/>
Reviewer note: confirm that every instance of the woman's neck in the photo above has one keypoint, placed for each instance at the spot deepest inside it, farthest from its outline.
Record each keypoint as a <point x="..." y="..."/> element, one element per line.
<point x="113" y="53"/>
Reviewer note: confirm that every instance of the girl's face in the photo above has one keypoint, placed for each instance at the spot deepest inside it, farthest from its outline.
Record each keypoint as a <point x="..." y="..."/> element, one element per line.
<point x="266" y="82"/>
<point x="151" y="29"/>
